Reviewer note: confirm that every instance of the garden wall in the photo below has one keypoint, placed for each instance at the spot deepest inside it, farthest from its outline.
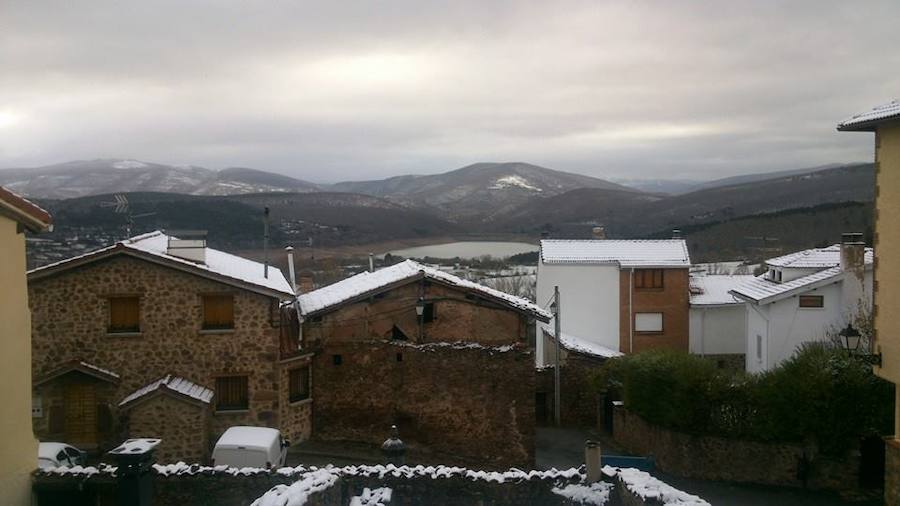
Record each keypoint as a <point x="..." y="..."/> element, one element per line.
<point x="716" y="458"/>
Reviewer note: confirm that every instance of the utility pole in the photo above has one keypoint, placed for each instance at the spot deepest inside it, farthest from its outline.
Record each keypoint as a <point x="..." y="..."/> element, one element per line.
<point x="556" y="334"/>
<point x="266" y="242"/>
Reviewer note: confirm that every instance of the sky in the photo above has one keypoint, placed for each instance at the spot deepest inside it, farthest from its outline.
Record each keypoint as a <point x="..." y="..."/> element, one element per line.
<point x="329" y="91"/>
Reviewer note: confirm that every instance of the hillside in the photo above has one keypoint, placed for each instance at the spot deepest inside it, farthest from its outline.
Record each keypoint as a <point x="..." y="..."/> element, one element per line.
<point x="234" y="222"/>
<point x="476" y="191"/>
<point x="98" y="177"/>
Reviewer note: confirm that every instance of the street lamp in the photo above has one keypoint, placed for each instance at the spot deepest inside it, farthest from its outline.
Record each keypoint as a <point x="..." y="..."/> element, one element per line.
<point x="420" y="307"/>
<point x="851" y="338"/>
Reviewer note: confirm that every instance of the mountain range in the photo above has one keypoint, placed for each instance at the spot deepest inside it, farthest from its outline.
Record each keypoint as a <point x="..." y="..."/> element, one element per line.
<point x="487" y="199"/>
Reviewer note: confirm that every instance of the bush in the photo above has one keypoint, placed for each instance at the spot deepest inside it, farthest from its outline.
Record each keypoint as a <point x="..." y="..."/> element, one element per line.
<point x="820" y="393"/>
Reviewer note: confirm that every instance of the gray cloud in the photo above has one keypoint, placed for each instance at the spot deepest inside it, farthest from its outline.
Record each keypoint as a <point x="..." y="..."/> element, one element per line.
<point x="349" y="90"/>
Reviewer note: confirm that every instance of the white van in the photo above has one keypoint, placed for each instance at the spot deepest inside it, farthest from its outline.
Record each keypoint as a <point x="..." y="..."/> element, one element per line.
<point x="250" y="447"/>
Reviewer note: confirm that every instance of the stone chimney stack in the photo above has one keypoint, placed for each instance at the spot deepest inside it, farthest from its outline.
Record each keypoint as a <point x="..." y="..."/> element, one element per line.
<point x="676" y="233"/>
<point x="853" y="263"/>
<point x="598" y="232"/>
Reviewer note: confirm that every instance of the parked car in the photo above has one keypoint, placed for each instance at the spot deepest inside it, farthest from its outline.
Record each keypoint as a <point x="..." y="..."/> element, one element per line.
<point x="250" y="447"/>
<point x="59" y="454"/>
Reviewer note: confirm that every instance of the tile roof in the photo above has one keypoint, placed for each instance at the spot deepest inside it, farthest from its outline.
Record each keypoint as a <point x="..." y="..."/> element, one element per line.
<point x="819" y="258"/>
<point x="173" y="384"/>
<point x="579" y="345"/>
<point x="761" y="290"/>
<point x="25" y="211"/>
<point x="868" y="119"/>
<point x="366" y="283"/>
<point x="217" y="262"/>
<point x="626" y="253"/>
<point x="714" y="290"/>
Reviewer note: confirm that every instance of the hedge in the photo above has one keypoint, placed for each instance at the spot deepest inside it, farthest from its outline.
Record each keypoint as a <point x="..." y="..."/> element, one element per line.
<point x="820" y="393"/>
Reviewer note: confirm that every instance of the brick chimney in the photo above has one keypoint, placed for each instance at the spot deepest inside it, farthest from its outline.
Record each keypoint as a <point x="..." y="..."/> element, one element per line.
<point x="853" y="263"/>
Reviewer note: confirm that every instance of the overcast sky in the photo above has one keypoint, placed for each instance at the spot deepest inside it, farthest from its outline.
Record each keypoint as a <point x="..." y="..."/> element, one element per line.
<point x="354" y="90"/>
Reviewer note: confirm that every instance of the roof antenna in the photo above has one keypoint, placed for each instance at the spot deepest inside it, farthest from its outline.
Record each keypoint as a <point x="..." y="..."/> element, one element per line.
<point x="266" y="243"/>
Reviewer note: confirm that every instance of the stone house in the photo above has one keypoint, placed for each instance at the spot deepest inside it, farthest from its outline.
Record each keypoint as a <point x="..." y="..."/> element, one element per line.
<point x="447" y="360"/>
<point x="160" y="336"/>
<point x="18" y="452"/>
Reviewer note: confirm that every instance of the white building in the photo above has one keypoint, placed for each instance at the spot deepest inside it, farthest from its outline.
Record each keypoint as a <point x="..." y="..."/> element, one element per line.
<point x="804" y="297"/>
<point x="718" y="326"/>
<point x="623" y="295"/>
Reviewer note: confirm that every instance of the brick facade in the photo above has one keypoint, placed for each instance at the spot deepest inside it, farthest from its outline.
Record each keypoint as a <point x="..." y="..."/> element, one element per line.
<point x="673" y="301"/>
<point x="469" y="405"/>
<point x="70" y="312"/>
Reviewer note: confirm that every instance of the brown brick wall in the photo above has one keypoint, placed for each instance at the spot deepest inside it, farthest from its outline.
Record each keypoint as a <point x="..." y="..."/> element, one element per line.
<point x="673" y="301"/>
<point x="182" y="426"/>
<point x="471" y="406"/>
<point x="457" y="318"/>
<point x="70" y="316"/>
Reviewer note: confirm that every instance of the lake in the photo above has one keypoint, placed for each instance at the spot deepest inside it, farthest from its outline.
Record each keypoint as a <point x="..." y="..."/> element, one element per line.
<point x="467" y="249"/>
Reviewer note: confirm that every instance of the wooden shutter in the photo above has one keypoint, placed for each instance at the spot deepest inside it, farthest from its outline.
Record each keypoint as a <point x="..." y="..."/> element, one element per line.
<point x="812" y="301"/>
<point x="218" y="311"/>
<point x="124" y="314"/>
<point x="104" y="418"/>
<point x="231" y="393"/>
<point x="56" y="422"/>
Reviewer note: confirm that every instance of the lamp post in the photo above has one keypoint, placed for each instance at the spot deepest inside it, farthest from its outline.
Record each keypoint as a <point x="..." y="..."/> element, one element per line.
<point x="851" y="339"/>
<point x="420" y="312"/>
<point x="557" y="330"/>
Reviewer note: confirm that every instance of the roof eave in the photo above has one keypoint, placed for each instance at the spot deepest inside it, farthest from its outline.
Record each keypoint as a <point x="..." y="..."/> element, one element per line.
<point x="868" y="126"/>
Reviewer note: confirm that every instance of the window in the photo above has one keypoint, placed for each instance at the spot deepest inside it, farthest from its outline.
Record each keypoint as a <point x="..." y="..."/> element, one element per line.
<point x="399" y="357"/>
<point x="298" y="384"/>
<point x="337" y="359"/>
<point x="218" y="312"/>
<point x="231" y="393"/>
<point x="648" y="279"/>
<point x="812" y="301"/>
<point x="124" y="314"/>
<point x="758" y="347"/>
<point x="429" y="314"/>
<point x="648" y="322"/>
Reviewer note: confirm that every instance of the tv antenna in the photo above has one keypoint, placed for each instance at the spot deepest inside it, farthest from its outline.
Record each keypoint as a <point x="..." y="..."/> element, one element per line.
<point x="120" y="206"/>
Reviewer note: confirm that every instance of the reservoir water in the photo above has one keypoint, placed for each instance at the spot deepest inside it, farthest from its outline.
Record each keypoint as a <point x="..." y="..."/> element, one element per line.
<point x="467" y="249"/>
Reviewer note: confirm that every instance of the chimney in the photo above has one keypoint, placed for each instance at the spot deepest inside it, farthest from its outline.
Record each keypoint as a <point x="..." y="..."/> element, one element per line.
<point x="676" y="233"/>
<point x="290" y="259"/>
<point x="188" y="245"/>
<point x="371" y="262"/>
<point x="598" y="232"/>
<point x="853" y="263"/>
<point x="306" y="282"/>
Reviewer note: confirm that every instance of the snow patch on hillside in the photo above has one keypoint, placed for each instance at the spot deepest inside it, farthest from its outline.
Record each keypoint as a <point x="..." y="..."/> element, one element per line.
<point x="129" y="164"/>
<point x="511" y="181"/>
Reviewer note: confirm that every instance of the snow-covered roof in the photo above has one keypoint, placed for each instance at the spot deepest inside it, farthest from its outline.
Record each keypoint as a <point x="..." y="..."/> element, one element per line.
<point x="173" y="384"/>
<point x="580" y="345"/>
<point x="223" y="266"/>
<point x="250" y="437"/>
<point x="816" y="258"/>
<point x="868" y="119"/>
<point x="368" y="283"/>
<point x="714" y="290"/>
<point x="626" y="253"/>
<point x="762" y="290"/>
<point x="80" y="366"/>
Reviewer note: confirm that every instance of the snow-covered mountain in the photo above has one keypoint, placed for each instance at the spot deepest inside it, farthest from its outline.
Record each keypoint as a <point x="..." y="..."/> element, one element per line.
<point x="478" y="189"/>
<point x="110" y="175"/>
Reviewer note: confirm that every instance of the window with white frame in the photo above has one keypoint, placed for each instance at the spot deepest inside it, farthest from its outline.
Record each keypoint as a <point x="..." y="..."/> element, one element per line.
<point x="648" y="322"/>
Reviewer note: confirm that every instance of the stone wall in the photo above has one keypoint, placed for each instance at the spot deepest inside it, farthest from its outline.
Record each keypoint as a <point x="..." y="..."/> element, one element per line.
<point x="673" y="301"/>
<point x="720" y="459"/>
<point x="733" y="362"/>
<point x="50" y="426"/>
<point x="70" y="316"/>
<point x="891" y="472"/>
<point x="295" y="417"/>
<point x="458" y="317"/>
<point x="580" y="406"/>
<point x="470" y="405"/>
<point x="183" y="427"/>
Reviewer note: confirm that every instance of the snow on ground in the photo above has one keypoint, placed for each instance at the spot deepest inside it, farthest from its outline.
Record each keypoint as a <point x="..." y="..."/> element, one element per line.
<point x="372" y="497"/>
<point x="595" y="494"/>
<point x="648" y="487"/>
<point x="297" y="493"/>
<point x="508" y="181"/>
